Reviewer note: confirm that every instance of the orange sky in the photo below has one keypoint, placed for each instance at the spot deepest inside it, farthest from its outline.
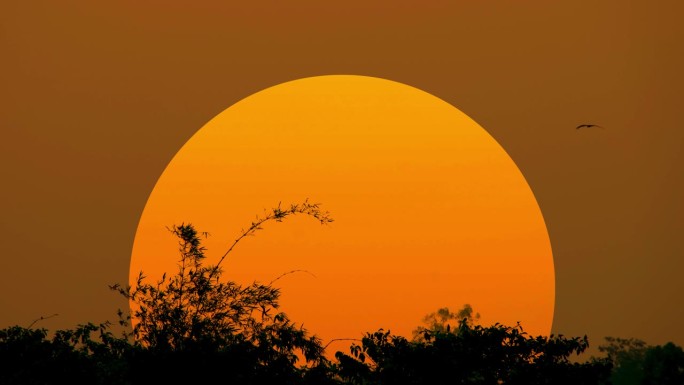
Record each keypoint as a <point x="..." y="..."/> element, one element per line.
<point x="99" y="96"/>
<point x="429" y="210"/>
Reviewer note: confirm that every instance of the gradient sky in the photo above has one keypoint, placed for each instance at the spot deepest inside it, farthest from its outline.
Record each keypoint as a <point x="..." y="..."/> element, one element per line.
<point x="98" y="97"/>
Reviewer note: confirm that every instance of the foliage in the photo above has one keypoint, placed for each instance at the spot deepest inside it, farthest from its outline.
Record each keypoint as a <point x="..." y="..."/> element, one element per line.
<point x="470" y="354"/>
<point x="28" y="356"/>
<point x="189" y="327"/>
<point x="627" y="356"/>
<point x="664" y="365"/>
<point x="439" y="321"/>
<point x="637" y="363"/>
<point x="196" y="312"/>
<point x="194" y="327"/>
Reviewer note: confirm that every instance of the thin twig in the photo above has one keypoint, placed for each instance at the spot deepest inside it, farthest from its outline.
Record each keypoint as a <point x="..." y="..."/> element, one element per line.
<point x="278" y="214"/>
<point x="40" y="319"/>
<point x="340" y="339"/>
<point x="291" y="272"/>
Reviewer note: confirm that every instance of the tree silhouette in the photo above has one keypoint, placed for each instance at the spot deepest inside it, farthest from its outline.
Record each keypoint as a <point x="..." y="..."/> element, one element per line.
<point x="664" y="365"/>
<point x="442" y="320"/>
<point x="637" y="363"/>
<point x="627" y="357"/>
<point x="470" y="354"/>
<point x="72" y="356"/>
<point x="194" y="327"/>
<point x="195" y="312"/>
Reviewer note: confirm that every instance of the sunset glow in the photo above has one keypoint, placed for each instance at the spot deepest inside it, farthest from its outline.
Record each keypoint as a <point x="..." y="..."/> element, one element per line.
<point x="429" y="210"/>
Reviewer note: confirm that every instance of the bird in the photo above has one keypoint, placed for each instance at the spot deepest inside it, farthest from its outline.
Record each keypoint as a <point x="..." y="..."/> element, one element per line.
<point x="587" y="126"/>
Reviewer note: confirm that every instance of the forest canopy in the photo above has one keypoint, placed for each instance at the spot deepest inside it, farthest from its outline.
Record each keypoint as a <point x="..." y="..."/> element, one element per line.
<point x="194" y="326"/>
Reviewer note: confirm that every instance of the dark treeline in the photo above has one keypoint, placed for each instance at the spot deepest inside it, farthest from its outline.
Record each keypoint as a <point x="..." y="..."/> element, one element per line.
<point x="90" y="354"/>
<point x="194" y="327"/>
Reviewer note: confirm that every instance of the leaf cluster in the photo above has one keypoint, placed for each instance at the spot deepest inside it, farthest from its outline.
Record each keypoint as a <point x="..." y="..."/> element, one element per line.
<point x="439" y="321"/>
<point x="87" y="354"/>
<point x="470" y="354"/>
<point x="196" y="311"/>
<point x="194" y="327"/>
<point x="637" y="363"/>
<point x="190" y="326"/>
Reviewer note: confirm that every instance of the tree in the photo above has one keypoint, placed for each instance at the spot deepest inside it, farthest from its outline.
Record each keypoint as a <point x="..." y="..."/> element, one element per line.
<point x="441" y="321"/>
<point x="627" y="357"/>
<point x="664" y="365"/>
<point x="637" y="363"/>
<point x="188" y="327"/>
<point x="194" y="316"/>
<point x="470" y="354"/>
<point x="28" y="356"/>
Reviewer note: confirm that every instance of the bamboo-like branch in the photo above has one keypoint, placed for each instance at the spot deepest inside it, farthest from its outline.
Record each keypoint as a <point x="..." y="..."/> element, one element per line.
<point x="40" y="319"/>
<point x="278" y="214"/>
<point x="291" y="272"/>
<point x="340" y="339"/>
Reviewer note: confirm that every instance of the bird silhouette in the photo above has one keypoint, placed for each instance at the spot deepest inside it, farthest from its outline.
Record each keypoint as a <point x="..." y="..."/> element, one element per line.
<point x="588" y="126"/>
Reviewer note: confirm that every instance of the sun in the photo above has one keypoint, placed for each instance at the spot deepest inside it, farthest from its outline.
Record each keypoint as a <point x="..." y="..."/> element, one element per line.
<point x="429" y="209"/>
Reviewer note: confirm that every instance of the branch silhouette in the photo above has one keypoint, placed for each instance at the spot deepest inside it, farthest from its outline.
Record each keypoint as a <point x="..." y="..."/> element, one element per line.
<point x="41" y="319"/>
<point x="340" y="339"/>
<point x="278" y="214"/>
<point x="291" y="272"/>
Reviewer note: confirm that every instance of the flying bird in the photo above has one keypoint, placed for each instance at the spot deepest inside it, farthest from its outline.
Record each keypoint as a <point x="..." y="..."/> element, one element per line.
<point x="588" y="126"/>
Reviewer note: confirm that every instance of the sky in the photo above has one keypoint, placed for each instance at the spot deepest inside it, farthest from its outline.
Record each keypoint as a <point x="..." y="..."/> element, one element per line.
<point x="98" y="97"/>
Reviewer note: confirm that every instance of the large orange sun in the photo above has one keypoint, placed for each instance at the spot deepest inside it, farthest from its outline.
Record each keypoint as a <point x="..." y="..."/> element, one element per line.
<point x="429" y="210"/>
